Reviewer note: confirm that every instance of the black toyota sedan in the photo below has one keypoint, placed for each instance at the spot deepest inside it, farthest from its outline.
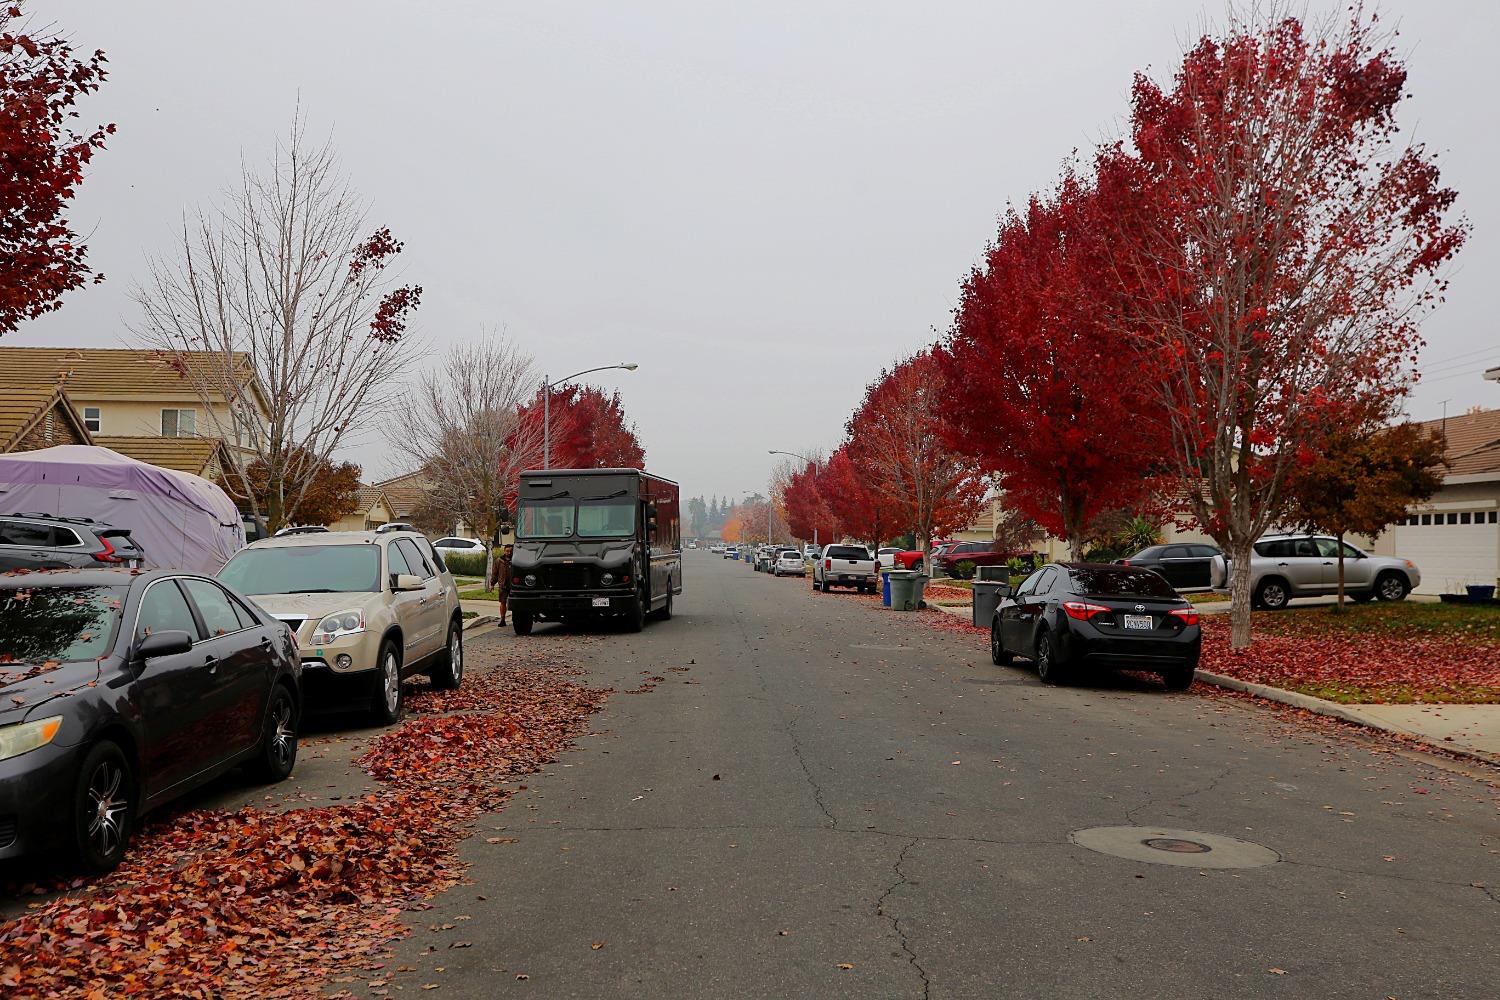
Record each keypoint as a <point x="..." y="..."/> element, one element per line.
<point x="1069" y="615"/>
<point x="121" y="690"/>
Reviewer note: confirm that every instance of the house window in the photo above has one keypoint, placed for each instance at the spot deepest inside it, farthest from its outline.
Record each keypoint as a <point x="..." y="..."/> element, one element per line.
<point x="91" y="419"/>
<point x="179" y="423"/>
<point x="1494" y="516"/>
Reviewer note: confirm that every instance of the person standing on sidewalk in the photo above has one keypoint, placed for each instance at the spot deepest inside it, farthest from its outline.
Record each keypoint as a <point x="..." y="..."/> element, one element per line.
<point x="499" y="580"/>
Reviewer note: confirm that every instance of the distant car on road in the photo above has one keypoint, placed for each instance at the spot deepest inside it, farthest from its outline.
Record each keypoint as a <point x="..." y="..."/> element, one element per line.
<point x="121" y="690"/>
<point x="45" y="541"/>
<point x="1066" y="616"/>
<point x="1186" y="566"/>
<point x="789" y="562"/>
<point x="1288" y="566"/>
<point x="845" y="566"/>
<point x="886" y="557"/>
<point x="732" y="552"/>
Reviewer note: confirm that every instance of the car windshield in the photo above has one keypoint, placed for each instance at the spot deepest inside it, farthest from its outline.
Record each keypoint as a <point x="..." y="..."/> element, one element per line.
<point x="305" y="569"/>
<point x="62" y="624"/>
<point x="552" y="519"/>
<point x="606" y="518"/>
<point x="1120" y="583"/>
<point x="846" y="552"/>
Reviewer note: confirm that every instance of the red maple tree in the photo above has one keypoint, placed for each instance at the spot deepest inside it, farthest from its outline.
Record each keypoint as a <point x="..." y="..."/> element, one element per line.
<point x="41" y="165"/>
<point x="808" y="513"/>
<point x="902" y="465"/>
<point x="1284" y="246"/>
<point x="1052" y="402"/>
<point x="588" y="430"/>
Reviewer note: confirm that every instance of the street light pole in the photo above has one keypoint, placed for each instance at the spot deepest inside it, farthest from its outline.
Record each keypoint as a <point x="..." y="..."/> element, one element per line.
<point x="547" y="387"/>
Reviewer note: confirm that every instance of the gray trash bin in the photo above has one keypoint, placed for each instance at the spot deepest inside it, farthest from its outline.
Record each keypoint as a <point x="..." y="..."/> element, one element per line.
<point x="906" y="590"/>
<point x="987" y="597"/>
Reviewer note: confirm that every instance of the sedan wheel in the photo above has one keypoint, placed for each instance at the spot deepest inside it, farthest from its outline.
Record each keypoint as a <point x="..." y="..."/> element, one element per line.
<point x="998" y="656"/>
<point x="102" y="808"/>
<point x="1048" y="669"/>
<point x="278" y="750"/>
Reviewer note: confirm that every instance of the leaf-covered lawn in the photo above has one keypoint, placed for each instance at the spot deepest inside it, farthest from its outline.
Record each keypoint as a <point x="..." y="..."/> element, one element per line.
<point x="257" y="903"/>
<point x="1393" y="653"/>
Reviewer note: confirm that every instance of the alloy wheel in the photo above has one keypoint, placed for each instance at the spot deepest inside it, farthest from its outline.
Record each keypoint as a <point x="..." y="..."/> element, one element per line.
<point x="456" y="655"/>
<point x="108" y="806"/>
<point x="1391" y="589"/>
<point x="1272" y="595"/>
<point x="392" y="683"/>
<point x="283" y="733"/>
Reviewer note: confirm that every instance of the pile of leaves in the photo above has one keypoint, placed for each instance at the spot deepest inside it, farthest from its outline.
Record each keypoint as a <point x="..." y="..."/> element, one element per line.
<point x="1331" y="657"/>
<point x="942" y="592"/>
<point x="268" y="904"/>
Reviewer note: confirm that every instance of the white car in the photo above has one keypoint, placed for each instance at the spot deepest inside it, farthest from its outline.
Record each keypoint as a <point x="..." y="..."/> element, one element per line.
<point x="453" y="545"/>
<point x="886" y="557"/>
<point x="789" y="563"/>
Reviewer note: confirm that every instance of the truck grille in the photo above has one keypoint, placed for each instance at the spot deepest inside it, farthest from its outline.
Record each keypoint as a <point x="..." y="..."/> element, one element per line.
<point x="567" y="577"/>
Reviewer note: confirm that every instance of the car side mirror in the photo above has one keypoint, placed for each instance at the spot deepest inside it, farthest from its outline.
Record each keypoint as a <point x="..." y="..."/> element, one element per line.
<point x="1003" y="590"/>
<point x="169" y="642"/>
<point x="402" y="582"/>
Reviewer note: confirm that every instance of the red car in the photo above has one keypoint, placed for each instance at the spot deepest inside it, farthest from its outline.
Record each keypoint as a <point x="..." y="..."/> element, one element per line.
<point x="978" y="553"/>
<point x="912" y="559"/>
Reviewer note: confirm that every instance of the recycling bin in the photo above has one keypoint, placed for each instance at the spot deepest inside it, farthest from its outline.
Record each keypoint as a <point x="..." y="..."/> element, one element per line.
<point x="906" y="590"/>
<point x="987" y="597"/>
<point x="885" y="588"/>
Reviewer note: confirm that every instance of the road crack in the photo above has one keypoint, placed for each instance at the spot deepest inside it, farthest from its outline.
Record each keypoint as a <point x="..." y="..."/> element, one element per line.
<point x="901" y="879"/>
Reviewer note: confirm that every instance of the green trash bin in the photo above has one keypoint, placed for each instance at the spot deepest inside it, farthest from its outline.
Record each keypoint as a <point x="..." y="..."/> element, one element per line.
<point x="906" y="590"/>
<point x="987" y="597"/>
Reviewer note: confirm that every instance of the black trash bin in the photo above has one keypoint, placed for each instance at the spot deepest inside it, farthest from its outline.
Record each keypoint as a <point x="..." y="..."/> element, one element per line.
<point x="987" y="597"/>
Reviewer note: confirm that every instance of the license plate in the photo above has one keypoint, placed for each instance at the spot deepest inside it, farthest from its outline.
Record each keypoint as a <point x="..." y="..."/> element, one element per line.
<point x="1138" y="621"/>
<point x="603" y="602"/>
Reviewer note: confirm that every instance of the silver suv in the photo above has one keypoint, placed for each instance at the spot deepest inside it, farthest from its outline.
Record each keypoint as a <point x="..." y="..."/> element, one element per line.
<point x="1288" y="566"/>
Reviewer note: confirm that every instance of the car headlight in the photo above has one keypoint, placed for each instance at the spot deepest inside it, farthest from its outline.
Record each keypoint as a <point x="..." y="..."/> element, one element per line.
<point x="607" y="579"/>
<point x="23" y="736"/>
<point x="338" y="625"/>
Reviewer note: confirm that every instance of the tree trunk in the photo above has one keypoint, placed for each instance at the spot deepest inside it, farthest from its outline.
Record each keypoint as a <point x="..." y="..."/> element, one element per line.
<point x="1239" y="595"/>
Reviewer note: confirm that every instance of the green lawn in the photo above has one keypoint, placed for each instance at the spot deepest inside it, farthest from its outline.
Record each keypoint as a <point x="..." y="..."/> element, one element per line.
<point x="1403" y="619"/>
<point x="478" y="594"/>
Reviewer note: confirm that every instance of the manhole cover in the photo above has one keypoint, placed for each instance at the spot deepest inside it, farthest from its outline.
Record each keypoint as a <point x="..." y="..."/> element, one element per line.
<point x="1176" y="846"/>
<point x="1184" y="848"/>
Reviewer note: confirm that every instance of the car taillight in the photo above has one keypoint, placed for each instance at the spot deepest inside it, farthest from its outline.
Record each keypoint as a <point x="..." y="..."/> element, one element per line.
<point x="1188" y="616"/>
<point x="1124" y="562"/>
<point x="108" y="555"/>
<point x="828" y="564"/>
<point x="1082" y="610"/>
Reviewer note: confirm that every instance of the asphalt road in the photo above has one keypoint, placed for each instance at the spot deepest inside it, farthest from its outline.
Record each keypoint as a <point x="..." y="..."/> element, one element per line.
<point x="838" y="801"/>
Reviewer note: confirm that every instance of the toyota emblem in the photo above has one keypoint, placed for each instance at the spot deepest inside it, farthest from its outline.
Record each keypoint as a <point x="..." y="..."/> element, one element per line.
<point x="1140" y="607"/>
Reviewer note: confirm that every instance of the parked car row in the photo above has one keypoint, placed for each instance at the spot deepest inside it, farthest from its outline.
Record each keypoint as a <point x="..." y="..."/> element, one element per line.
<point x="123" y="689"/>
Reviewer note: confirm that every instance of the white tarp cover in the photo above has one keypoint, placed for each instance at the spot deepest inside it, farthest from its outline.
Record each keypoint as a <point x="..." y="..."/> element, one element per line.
<point x="182" y="521"/>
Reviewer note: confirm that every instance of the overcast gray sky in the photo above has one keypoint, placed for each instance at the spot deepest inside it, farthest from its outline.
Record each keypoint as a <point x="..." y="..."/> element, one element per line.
<point x="762" y="204"/>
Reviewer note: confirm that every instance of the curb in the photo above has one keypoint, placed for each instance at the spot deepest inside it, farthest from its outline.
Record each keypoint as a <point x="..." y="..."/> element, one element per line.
<point x="1322" y="706"/>
<point x="472" y="623"/>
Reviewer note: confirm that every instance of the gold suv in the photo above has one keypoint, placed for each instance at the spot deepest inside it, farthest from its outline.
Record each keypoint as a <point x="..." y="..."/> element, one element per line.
<point x="368" y="608"/>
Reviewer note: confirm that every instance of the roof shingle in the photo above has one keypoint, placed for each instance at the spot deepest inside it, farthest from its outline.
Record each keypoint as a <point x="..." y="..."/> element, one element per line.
<point x="108" y="369"/>
<point x="1473" y="442"/>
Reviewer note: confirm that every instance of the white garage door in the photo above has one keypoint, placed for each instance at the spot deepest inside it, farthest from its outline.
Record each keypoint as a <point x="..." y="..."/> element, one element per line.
<point x="1451" y="548"/>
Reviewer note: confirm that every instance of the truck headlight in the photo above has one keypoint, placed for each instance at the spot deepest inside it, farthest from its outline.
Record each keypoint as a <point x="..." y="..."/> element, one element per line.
<point x="336" y="626"/>
<point x="530" y="580"/>
<point x="607" y="579"/>
<point x="23" y="736"/>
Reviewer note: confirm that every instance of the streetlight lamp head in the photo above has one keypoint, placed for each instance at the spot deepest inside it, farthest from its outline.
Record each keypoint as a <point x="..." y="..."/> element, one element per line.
<point x="630" y="367"/>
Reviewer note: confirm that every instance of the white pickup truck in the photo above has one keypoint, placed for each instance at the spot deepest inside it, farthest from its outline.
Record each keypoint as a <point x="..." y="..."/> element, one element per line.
<point x="845" y="566"/>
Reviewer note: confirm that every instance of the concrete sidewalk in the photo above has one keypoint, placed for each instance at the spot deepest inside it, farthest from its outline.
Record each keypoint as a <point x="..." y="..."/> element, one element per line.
<point x="1468" y="730"/>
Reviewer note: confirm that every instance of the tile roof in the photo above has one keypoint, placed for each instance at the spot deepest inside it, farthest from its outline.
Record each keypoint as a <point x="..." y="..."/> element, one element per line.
<point x="105" y="369"/>
<point x="21" y="406"/>
<point x="369" y="496"/>
<point x="1473" y="443"/>
<point x="194" y="454"/>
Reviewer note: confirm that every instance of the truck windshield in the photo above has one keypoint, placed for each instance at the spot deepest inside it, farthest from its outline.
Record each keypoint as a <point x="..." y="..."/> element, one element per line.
<point x="606" y="518"/>
<point x="551" y="519"/>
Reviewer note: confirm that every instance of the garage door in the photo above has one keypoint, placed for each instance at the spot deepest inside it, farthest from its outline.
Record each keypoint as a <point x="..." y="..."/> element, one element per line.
<point x="1451" y="548"/>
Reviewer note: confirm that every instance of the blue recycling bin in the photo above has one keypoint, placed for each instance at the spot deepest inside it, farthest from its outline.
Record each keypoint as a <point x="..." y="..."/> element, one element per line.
<point x="885" y="589"/>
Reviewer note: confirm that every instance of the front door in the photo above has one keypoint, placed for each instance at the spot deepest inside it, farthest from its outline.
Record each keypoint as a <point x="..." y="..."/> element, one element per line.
<point x="176" y="693"/>
<point x="434" y="604"/>
<point x="1356" y="567"/>
<point x="1018" y="614"/>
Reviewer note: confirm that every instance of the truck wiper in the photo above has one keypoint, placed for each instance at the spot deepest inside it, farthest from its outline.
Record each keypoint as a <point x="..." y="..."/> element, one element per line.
<point x="616" y="493"/>
<point x="555" y="496"/>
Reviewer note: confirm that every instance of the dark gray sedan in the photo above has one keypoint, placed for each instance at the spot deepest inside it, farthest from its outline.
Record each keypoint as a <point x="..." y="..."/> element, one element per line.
<point x="121" y="690"/>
